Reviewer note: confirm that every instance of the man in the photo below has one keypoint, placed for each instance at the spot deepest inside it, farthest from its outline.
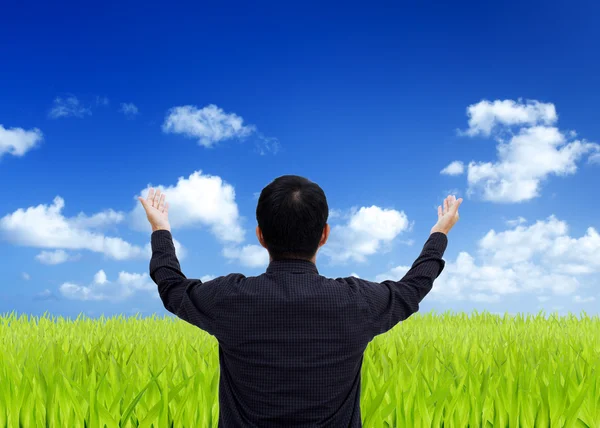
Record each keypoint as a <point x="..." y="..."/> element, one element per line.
<point x="291" y="341"/>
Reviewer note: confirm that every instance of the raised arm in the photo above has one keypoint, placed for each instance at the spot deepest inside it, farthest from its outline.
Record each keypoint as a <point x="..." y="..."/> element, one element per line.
<point x="393" y="301"/>
<point x="189" y="299"/>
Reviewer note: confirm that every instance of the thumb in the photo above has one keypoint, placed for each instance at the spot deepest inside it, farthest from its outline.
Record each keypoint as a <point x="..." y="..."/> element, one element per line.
<point x="143" y="201"/>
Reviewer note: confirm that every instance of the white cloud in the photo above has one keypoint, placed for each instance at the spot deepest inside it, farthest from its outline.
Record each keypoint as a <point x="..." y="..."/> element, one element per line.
<point x="248" y="255"/>
<point x="582" y="251"/>
<point x="367" y="231"/>
<point x="524" y="162"/>
<point x="485" y="115"/>
<point x="354" y="275"/>
<point x="18" y="141"/>
<point x="199" y="200"/>
<point x="579" y="299"/>
<point x="55" y="257"/>
<point x="44" y="226"/>
<point x="129" y="109"/>
<point x="455" y="168"/>
<point x="100" y="277"/>
<point x="209" y="124"/>
<point x="523" y="242"/>
<point x="26" y="276"/>
<point x="207" y="278"/>
<point x="66" y="107"/>
<point x="98" y="220"/>
<point x="525" y="259"/>
<point x="137" y="281"/>
<point x="525" y="157"/>
<point x="546" y="238"/>
<point x="126" y="285"/>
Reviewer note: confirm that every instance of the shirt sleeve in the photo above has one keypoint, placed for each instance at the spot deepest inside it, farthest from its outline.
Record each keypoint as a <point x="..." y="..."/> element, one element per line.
<point x="393" y="301"/>
<point x="190" y="299"/>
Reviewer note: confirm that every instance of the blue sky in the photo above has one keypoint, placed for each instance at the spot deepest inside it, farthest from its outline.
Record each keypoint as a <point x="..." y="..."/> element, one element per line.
<point x="212" y="102"/>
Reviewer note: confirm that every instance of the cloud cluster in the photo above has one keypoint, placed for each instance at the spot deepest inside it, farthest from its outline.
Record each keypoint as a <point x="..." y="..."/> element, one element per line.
<point x="209" y="124"/>
<point x="18" y="141"/>
<point x="248" y="255"/>
<point x="367" y="231"/>
<point x="55" y="257"/>
<point x="44" y="226"/>
<point x="486" y="116"/>
<point x="129" y="109"/>
<point x="526" y="156"/>
<point x="68" y="107"/>
<point x="454" y="168"/>
<point x="539" y="258"/>
<point x="198" y="200"/>
<point x="126" y="285"/>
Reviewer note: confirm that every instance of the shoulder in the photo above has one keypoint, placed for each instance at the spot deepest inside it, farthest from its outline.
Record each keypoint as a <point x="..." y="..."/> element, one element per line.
<point x="354" y="280"/>
<point x="230" y="278"/>
<point x="225" y="285"/>
<point x="352" y="283"/>
<point x="358" y="285"/>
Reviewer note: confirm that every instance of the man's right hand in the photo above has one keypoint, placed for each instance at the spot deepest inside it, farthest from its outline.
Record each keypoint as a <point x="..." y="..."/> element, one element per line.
<point x="447" y="215"/>
<point x="157" y="210"/>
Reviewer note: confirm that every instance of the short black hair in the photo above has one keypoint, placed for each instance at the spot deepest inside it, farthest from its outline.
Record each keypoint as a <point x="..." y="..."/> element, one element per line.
<point x="292" y="212"/>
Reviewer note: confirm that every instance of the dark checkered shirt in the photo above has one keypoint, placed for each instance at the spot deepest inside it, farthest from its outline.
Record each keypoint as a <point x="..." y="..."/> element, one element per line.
<point x="291" y="341"/>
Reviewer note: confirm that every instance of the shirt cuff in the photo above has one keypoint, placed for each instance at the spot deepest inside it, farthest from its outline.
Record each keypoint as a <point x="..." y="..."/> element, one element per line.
<point x="161" y="240"/>
<point x="437" y="241"/>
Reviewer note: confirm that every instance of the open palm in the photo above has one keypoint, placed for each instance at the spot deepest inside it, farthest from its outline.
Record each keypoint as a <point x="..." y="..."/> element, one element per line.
<point x="447" y="214"/>
<point x="157" y="210"/>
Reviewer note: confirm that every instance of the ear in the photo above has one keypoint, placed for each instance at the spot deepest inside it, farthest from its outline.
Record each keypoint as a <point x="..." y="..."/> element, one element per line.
<point x="325" y="235"/>
<point x="259" y="235"/>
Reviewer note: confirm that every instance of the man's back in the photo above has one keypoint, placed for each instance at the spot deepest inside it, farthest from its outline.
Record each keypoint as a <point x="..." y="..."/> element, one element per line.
<point x="291" y="347"/>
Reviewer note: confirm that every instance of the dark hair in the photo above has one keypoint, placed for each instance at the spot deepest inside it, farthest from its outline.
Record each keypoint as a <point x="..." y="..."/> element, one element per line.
<point x="292" y="212"/>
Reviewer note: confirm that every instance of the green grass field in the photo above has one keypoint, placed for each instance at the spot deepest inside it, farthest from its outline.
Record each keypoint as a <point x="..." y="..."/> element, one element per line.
<point x="451" y="370"/>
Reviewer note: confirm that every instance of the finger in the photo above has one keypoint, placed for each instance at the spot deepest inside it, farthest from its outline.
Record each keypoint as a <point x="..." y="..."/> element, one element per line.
<point x="439" y="211"/>
<point x="456" y="205"/>
<point x="446" y="205"/>
<point x="150" y="196"/>
<point x="161" y="204"/>
<point x="156" y="199"/>
<point x="166" y="211"/>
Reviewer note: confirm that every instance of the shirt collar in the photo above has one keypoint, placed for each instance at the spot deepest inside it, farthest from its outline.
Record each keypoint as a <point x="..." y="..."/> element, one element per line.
<point x="292" y="266"/>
